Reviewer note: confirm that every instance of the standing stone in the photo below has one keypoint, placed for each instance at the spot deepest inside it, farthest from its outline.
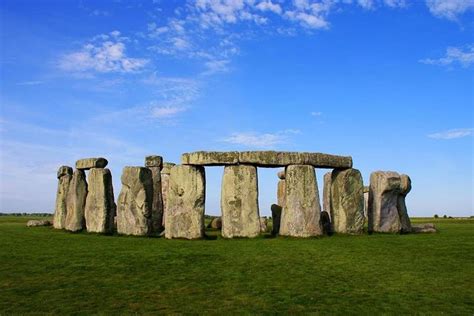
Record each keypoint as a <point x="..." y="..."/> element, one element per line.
<point x="326" y="223"/>
<point x="165" y="183"/>
<point x="387" y="210"/>
<point x="276" y="218"/>
<point x="154" y="163"/>
<point x="239" y="202"/>
<point x="135" y="202"/>
<point x="100" y="205"/>
<point x="216" y="223"/>
<point x="76" y="201"/>
<point x="186" y="201"/>
<point x="60" y="210"/>
<point x="327" y="192"/>
<point x="263" y="224"/>
<point x="405" y="188"/>
<point x="301" y="214"/>
<point x="281" y="189"/>
<point x="347" y="201"/>
<point x="366" y="200"/>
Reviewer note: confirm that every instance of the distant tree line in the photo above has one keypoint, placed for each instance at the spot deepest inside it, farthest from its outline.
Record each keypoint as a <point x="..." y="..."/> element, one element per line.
<point x="26" y="214"/>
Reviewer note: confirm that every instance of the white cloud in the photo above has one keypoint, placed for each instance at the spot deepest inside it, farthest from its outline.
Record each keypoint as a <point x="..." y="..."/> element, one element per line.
<point x="395" y="3"/>
<point x="316" y="113"/>
<point x="268" y="5"/>
<point x="30" y="83"/>
<point x="452" y="134"/>
<point x="216" y="66"/>
<point x="449" y="9"/>
<point x="265" y="140"/>
<point x="166" y="112"/>
<point x="103" y="55"/>
<point x="454" y="55"/>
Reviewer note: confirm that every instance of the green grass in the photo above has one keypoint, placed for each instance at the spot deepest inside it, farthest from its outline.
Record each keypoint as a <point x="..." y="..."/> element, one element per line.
<point x="43" y="270"/>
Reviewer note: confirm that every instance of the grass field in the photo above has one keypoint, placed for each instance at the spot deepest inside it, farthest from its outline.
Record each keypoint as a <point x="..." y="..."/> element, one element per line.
<point x="48" y="271"/>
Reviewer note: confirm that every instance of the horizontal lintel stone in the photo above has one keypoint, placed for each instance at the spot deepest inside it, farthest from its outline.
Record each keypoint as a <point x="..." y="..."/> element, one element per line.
<point x="266" y="159"/>
<point x="88" y="163"/>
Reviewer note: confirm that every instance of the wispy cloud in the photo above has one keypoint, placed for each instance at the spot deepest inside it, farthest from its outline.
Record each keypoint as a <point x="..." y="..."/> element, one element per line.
<point x="30" y="83"/>
<point x="449" y="9"/>
<point x="166" y="112"/>
<point x="452" y="133"/>
<point x="454" y="56"/>
<point x="104" y="54"/>
<point x="260" y="140"/>
<point x="316" y="114"/>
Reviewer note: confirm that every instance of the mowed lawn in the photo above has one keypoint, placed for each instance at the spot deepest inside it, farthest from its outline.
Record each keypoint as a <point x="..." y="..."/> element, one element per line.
<point x="43" y="270"/>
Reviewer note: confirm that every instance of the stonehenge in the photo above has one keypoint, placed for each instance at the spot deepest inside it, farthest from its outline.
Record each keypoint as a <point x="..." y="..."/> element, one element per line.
<point x="386" y="207"/>
<point x="134" y="206"/>
<point x="60" y="210"/>
<point x="346" y="201"/>
<point x="100" y="205"/>
<point x="155" y="163"/>
<point x="300" y="217"/>
<point x="186" y="200"/>
<point x="164" y="199"/>
<point x="239" y="202"/>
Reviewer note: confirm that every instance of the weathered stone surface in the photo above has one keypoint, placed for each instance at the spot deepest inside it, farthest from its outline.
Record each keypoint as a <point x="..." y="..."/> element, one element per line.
<point x="166" y="168"/>
<point x="424" y="228"/>
<point x="186" y="201"/>
<point x="386" y="207"/>
<point x="263" y="224"/>
<point x="366" y="204"/>
<point x="326" y="223"/>
<point x="64" y="170"/>
<point x="60" y="210"/>
<point x="327" y="192"/>
<point x="366" y="189"/>
<point x="276" y="218"/>
<point x="38" y="222"/>
<point x="216" y="223"/>
<point x="266" y="159"/>
<point x="405" y="188"/>
<point x="209" y="158"/>
<point x="88" y="163"/>
<point x="301" y="215"/>
<point x="239" y="202"/>
<point x="157" y="203"/>
<point x="281" y="175"/>
<point x="100" y="206"/>
<point x="135" y="202"/>
<point x="154" y="161"/>
<point x="165" y="184"/>
<point x="347" y="201"/>
<point x="281" y="193"/>
<point x="76" y="201"/>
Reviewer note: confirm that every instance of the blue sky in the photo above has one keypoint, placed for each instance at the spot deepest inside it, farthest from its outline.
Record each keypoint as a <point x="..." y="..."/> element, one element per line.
<point x="389" y="82"/>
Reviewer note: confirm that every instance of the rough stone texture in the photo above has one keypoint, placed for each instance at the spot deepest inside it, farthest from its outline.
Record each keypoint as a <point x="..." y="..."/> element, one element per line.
<point x="366" y="204"/>
<point x="424" y="228"/>
<point x="281" y="193"/>
<point x="38" y="222"/>
<point x="263" y="224"/>
<point x="88" y="163"/>
<point x="60" y="210"/>
<point x="326" y="223"/>
<point x="386" y="207"/>
<point x="266" y="159"/>
<point x="347" y="201"/>
<point x="153" y="161"/>
<point x="327" y="192"/>
<point x="281" y="175"/>
<point x="100" y="206"/>
<point x="239" y="202"/>
<point x="276" y="218"/>
<point x="166" y="168"/>
<point x="76" y="201"/>
<point x="301" y="215"/>
<point x="366" y="189"/>
<point x="64" y="170"/>
<point x="186" y="201"/>
<point x="216" y="223"/>
<point x="209" y="158"/>
<point x="405" y="188"/>
<point x="135" y="202"/>
<point x="157" y="203"/>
